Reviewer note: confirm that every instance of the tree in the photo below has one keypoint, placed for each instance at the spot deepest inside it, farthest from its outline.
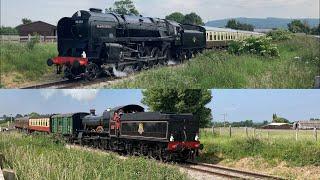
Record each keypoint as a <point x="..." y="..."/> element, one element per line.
<point x="316" y="30"/>
<point x="176" y="16"/>
<point x="234" y="24"/>
<point x="34" y="114"/>
<point x="180" y="101"/>
<point x="125" y="7"/>
<point x="8" y="31"/>
<point x="193" y="19"/>
<point x="19" y="116"/>
<point x="274" y="117"/>
<point x="297" y="26"/>
<point x="26" y="21"/>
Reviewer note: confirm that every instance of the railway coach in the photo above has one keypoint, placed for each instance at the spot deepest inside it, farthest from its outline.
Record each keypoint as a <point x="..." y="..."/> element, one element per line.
<point x="219" y="38"/>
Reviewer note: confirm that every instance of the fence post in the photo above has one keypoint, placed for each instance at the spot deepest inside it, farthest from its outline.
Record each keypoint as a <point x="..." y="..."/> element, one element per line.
<point x="2" y="159"/>
<point x="254" y="132"/>
<point x="29" y="37"/>
<point x="230" y="133"/>
<point x="268" y="135"/>
<point x="297" y="131"/>
<point x="212" y="129"/>
<point x="220" y="131"/>
<point x="246" y="129"/>
<point x="317" y="82"/>
<point x="315" y="134"/>
<point x="9" y="174"/>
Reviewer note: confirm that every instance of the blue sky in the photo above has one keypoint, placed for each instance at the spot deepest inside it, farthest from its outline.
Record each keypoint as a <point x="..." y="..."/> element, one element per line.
<point x="12" y="11"/>
<point x="257" y="105"/>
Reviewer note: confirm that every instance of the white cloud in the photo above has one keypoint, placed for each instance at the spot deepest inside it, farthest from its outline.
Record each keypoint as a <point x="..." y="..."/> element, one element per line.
<point x="81" y="95"/>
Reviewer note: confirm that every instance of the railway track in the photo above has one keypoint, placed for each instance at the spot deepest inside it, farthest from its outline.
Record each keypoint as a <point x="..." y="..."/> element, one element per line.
<point x="68" y="84"/>
<point x="225" y="172"/>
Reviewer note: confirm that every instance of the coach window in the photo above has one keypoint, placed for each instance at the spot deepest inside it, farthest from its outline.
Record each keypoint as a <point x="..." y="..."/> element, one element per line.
<point x="211" y="37"/>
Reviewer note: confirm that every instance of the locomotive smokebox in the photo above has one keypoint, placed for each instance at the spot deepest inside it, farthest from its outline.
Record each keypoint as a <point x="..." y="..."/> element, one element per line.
<point x="93" y="112"/>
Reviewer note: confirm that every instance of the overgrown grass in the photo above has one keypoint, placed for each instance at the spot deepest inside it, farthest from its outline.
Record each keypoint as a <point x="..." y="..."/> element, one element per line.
<point x="38" y="157"/>
<point x="293" y="69"/>
<point x="274" y="150"/>
<point x="25" y="63"/>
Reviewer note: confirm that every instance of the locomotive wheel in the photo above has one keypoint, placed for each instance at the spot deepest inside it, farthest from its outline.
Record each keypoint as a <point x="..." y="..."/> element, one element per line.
<point x="92" y="72"/>
<point x="68" y="73"/>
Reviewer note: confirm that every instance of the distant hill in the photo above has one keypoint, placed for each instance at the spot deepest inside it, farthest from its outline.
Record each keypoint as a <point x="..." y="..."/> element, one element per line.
<point x="259" y="23"/>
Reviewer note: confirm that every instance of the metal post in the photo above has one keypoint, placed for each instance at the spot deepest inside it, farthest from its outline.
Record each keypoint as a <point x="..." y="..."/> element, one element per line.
<point x="254" y="132"/>
<point x="268" y="134"/>
<point x="220" y="131"/>
<point x="317" y="82"/>
<point x="212" y="129"/>
<point x="315" y="134"/>
<point x="230" y="133"/>
<point x="297" y="131"/>
<point x="247" y="131"/>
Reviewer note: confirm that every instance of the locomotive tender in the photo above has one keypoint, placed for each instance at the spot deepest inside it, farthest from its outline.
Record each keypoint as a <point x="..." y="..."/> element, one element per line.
<point x="92" y="42"/>
<point x="127" y="129"/>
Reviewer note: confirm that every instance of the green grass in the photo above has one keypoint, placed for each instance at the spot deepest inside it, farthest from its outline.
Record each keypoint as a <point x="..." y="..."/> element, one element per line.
<point x="280" y="146"/>
<point x="221" y="70"/>
<point x="26" y="64"/>
<point x="38" y="157"/>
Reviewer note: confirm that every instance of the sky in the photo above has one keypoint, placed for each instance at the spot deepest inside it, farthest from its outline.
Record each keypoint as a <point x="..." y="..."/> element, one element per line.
<point x="12" y="11"/>
<point x="239" y="105"/>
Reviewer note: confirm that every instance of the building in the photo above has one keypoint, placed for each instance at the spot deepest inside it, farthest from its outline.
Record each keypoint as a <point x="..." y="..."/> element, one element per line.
<point x="277" y="126"/>
<point x="38" y="27"/>
<point x="306" y="125"/>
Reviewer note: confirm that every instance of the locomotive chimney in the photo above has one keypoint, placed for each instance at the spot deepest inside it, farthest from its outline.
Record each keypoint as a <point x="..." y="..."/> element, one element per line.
<point x="93" y="112"/>
<point x="95" y="10"/>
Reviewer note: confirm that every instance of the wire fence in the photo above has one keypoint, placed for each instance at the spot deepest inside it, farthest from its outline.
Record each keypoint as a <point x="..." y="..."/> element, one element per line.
<point x="270" y="134"/>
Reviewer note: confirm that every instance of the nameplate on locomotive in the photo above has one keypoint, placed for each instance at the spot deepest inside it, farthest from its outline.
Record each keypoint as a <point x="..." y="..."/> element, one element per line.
<point x="103" y="26"/>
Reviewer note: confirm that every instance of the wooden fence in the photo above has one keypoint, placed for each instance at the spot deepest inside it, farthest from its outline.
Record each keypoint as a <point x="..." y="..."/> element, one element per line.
<point x="24" y="39"/>
<point x="246" y="132"/>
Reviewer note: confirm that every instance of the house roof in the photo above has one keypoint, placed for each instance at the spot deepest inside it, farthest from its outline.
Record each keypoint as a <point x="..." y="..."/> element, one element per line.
<point x="22" y="25"/>
<point x="277" y="124"/>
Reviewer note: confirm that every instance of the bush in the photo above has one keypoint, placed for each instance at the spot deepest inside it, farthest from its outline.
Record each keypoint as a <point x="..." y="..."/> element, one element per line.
<point x="280" y="35"/>
<point x="261" y="46"/>
<point x="32" y="43"/>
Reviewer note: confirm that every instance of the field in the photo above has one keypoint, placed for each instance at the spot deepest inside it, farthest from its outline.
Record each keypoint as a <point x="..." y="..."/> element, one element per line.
<point x="37" y="157"/>
<point x="275" y="151"/>
<point x="20" y="64"/>
<point x="293" y="69"/>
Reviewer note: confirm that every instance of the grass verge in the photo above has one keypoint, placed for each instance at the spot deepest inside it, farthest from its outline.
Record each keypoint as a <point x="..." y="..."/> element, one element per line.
<point x="39" y="157"/>
<point x="293" y="69"/>
<point x="21" y="64"/>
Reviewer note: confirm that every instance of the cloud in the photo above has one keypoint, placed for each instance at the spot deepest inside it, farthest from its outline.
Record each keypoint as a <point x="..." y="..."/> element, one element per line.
<point x="81" y="95"/>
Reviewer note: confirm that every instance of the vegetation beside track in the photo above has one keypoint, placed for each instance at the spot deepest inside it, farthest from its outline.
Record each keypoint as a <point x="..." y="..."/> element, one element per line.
<point x="281" y="149"/>
<point x="296" y="67"/>
<point x="39" y="157"/>
<point x="21" y="63"/>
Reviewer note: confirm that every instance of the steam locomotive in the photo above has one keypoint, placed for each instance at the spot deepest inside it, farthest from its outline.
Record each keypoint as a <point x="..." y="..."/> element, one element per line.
<point x="92" y="42"/>
<point x="126" y="129"/>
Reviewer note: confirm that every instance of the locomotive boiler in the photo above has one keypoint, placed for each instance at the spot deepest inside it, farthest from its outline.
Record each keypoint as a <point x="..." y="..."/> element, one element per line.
<point x="92" y="42"/>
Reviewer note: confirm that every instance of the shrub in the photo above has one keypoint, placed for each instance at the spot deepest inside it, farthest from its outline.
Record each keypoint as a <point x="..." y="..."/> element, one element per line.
<point x="261" y="46"/>
<point x="32" y="43"/>
<point x="280" y="35"/>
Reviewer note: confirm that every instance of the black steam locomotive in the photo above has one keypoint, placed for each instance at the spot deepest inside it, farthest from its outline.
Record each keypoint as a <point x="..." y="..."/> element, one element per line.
<point x="92" y="42"/>
<point x="130" y="130"/>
